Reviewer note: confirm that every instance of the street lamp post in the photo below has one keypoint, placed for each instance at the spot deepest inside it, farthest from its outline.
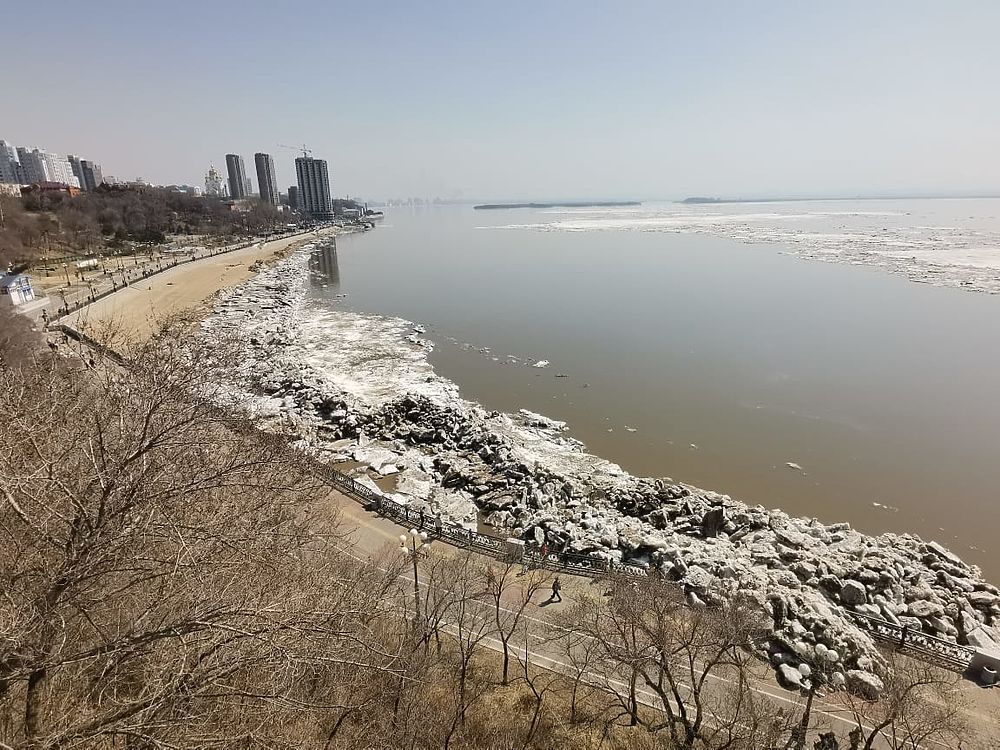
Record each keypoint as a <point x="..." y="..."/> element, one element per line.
<point x="411" y="544"/>
<point x="824" y="671"/>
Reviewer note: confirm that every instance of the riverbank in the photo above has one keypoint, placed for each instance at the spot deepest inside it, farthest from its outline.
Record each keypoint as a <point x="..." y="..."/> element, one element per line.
<point x="135" y="313"/>
<point x="359" y="388"/>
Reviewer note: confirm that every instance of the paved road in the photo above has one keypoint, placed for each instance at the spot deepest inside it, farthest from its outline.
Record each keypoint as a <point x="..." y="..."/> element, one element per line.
<point x="372" y="535"/>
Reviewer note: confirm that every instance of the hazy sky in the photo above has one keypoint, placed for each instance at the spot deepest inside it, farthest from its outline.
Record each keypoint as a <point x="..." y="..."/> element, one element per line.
<point x="520" y="100"/>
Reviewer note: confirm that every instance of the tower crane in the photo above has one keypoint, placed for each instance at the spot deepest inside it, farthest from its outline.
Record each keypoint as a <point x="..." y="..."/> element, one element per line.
<point x="306" y="152"/>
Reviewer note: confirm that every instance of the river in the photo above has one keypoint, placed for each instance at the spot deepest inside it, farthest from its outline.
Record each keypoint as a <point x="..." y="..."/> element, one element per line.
<point x="688" y="342"/>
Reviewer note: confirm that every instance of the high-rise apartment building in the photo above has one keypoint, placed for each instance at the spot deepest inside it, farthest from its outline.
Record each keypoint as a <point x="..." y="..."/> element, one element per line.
<point x="267" y="183"/>
<point x="237" y="176"/>
<point x="38" y="165"/>
<point x="87" y="173"/>
<point x="314" y="186"/>
<point x="93" y="175"/>
<point x="10" y="167"/>
<point x="74" y="165"/>
<point x="33" y="166"/>
<point x="293" y="197"/>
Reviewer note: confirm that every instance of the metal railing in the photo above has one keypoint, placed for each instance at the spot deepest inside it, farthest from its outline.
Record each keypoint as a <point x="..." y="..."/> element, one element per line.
<point x="916" y="643"/>
<point x="908" y="640"/>
<point x="152" y="268"/>
<point x="460" y="536"/>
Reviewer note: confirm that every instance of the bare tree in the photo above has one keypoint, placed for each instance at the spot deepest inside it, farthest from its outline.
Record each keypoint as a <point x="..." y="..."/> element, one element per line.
<point x="510" y="595"/>
<point x="161" y="582"/>
<point x="921" y="705"/>
<point x="442" y="576"/>
<point x="674" y="670"/>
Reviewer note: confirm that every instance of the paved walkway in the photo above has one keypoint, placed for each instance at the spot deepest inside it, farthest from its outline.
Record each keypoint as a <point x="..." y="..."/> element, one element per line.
<point x="135" y="311"/>
<point x="372" y="535"/>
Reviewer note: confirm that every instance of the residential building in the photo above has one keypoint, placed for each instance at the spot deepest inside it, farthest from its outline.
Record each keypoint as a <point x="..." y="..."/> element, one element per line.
<point x="33" y="166"/>
<point x="61" y="169"/>
<point x="267" y="183"/>
<point x="314" y="186"/>
<point x="237" y="176"/>
<point x="213" y="182"/>
<point x="41" y="166"/>
<point x="93" y="176"/>
<point x="293" y="197"/>
<point x="74" y="165"/>
<point x="249" y="188"/>
<point x="10" y="167"/>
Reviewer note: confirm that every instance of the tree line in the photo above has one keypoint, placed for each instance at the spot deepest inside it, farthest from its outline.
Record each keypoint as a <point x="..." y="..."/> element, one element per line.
<point x="110" y="217"/>
<point x="173" y="578"/>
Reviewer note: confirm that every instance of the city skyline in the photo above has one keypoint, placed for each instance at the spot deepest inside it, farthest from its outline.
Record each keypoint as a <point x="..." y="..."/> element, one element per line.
<point x="651" y="100"/>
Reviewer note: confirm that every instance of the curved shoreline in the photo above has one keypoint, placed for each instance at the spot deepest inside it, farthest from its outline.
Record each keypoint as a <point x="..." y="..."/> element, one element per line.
<point x="360" y="387"/>
<point x="132" y="311"/>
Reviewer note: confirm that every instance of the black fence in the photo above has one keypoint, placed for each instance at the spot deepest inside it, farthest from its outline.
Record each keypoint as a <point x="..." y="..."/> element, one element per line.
<point x="916" y="643"/>
<point x="460" y="536"/>
<point x="138" y="273"/>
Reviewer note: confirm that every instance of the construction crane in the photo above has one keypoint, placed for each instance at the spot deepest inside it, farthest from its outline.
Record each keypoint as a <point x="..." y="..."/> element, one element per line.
<point x="306" y="152"/>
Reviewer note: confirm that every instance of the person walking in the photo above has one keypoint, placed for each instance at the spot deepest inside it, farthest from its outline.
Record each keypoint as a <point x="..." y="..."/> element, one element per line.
<point x="556" y="588"/>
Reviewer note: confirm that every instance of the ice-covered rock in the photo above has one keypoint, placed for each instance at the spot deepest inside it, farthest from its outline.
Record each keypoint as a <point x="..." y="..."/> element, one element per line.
<point x="864" y="683"/>
<point x="984" y="638"/>
<point x="853" y="593"/>
<point x="532" y="419"/>
<point x="789" y="676"/>
<point x="350" y="384"/>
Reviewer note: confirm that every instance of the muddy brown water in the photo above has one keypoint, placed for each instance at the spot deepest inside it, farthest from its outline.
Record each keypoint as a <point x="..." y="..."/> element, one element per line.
<point x="711" y="361"/>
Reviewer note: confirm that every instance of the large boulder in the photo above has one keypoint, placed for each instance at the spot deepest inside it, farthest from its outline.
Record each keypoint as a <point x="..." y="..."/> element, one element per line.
<point x="853" y="593"/>
<point x="984" y="638"/>
<point x="924" y="608"/>
<point x="698" y="578"/>
<point x="865" y="684"/>
<point x="789" y="676"/>
<point x="712" y="521"/>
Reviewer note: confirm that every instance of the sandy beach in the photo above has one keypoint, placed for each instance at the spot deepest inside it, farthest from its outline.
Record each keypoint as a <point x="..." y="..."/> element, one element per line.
<point x="135" y="313"/>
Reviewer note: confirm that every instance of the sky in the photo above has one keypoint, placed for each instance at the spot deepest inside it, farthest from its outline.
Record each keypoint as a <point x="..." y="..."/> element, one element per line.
<point x="521" y="100"/>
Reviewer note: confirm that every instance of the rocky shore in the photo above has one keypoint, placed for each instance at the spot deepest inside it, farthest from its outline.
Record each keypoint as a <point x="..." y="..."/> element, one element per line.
<point x="359" y="388"/>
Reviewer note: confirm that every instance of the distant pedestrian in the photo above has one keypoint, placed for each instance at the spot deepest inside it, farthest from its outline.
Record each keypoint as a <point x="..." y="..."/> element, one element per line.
<point x="556" y="588"/>
<point x="544" y="551"/>
<point x="438" y="525"/>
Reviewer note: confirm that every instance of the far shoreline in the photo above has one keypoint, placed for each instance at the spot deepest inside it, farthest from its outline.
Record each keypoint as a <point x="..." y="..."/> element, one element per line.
<point x="571" y="204"/>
